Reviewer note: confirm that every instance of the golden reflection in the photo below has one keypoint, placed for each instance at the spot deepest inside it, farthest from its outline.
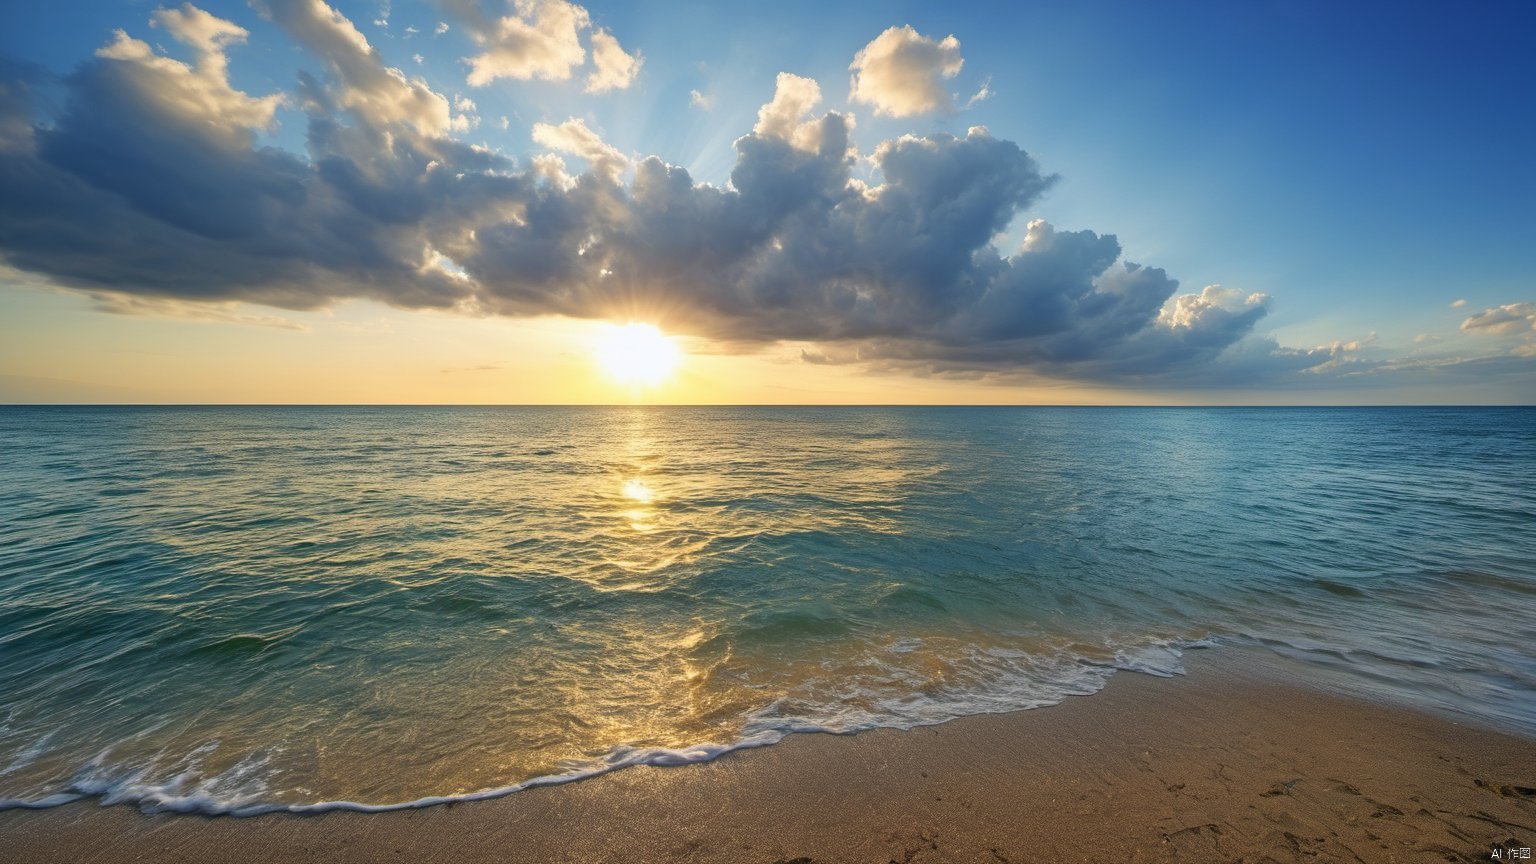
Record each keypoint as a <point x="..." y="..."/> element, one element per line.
<point x="636" y="490"/>
<point x="641" y="515"/>
<point x="640" y="520"/>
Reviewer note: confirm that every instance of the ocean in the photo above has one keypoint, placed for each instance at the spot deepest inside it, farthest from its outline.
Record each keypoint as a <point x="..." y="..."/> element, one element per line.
<point x="244" y="609"/>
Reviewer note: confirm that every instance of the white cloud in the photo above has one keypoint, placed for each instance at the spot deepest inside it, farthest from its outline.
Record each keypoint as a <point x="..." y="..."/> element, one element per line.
<point x="204" y="33"/>
<point x="901" y="72"/>
<point x="463" y="103"/>
<point x="575" y="138"/>
<point x="542" y="39"/>
<point x="1502" y="320"/>
<point x="374" y="91"/>
<point x="794" y="97"/>
<point x="613" y="69"/>
<point x="442" y="27"/>
<point x="1457" y="304"/>
<point x="700" y="101"/>
<point x="980" y="95"/>
<point x="201" y="92"/>
<point x="504" y="123"/>
<point x="1340" y="347"/>
<point x="418" y="58"/>
<point x="1213" y="302"/>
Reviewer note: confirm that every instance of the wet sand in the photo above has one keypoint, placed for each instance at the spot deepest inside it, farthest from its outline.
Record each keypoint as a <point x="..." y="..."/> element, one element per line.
<point x="1240" y="760"/>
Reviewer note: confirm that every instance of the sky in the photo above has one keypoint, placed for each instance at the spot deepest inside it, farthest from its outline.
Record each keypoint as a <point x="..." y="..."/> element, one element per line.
<point x="464" y="201"/>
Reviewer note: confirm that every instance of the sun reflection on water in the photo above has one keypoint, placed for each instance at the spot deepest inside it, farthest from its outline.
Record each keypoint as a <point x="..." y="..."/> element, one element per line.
<point x="636" y="490"/>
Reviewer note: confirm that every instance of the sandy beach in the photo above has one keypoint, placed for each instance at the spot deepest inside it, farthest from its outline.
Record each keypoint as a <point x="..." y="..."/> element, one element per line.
<point x="1239" y="760"/>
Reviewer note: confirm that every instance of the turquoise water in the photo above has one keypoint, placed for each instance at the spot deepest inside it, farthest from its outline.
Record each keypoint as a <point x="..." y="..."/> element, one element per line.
<point x="235" y="609"/>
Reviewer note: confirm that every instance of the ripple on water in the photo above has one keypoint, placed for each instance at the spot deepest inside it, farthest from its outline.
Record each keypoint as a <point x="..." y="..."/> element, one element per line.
<point x="228" y="610"/>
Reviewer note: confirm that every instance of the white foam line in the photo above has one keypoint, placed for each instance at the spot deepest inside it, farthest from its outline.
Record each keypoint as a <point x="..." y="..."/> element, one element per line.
<point x="159" y="798"/>
<point x="153" y="798"/>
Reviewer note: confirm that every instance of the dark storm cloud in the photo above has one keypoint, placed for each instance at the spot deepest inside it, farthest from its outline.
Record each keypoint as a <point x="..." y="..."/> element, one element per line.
<point x="150" y="182"/>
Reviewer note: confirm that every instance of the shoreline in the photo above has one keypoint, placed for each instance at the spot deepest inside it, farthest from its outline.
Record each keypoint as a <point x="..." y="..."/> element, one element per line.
<point x="150" y="800"/>
<point x="1239" y="759"/>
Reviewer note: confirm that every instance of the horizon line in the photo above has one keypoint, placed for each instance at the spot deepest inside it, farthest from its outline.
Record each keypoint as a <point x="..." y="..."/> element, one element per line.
<point x="756" y="405"/>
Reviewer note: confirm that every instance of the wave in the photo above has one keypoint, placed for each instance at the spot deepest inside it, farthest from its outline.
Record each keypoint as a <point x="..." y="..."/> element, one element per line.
<point x="238" y="792"/>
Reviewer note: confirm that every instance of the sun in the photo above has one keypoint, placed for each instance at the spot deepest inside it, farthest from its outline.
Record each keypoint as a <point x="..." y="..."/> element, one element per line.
<point x="637" y="355"/>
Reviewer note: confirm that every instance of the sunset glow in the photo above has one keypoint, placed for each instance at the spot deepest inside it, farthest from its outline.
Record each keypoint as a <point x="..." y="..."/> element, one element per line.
<point x="637" y="355"/>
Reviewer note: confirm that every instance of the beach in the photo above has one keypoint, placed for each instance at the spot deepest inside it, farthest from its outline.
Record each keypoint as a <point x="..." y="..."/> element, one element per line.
<point x="1241" y="759"/>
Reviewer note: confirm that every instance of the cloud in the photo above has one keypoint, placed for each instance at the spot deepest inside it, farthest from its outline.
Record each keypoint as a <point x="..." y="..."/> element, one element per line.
<point x="541" y="39"/>
<point x="786" y="116"/>
<point x="982" y="94"/>
<point x="195" y="93"/>
<point x="1193" y="311"/>
<point x="375" y="92"/>
<point x="204" y="33"/>
<point x="224" y="313"/>
<point x="440" y="29"/>
<point x="575" y="138"/>
<point x="700" y="101"/>
<point x="1457" y="304"/>
<point x="151" y="186"/>
<point x="901" y="72"/>
<point x="1502" y="320"/>
<point x="149" y="180"/>
<point x="613" y="69"/>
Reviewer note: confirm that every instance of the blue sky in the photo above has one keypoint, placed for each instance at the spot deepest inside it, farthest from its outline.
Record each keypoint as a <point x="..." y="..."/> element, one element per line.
<point x="1364" y="166"/>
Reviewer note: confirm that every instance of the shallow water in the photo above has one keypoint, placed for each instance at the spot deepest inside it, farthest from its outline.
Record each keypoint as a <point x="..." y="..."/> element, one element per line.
<point x="230" y="609"/>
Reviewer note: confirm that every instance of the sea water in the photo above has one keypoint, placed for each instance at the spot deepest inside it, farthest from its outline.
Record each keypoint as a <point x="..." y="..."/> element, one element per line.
<point x="238" y="609"/>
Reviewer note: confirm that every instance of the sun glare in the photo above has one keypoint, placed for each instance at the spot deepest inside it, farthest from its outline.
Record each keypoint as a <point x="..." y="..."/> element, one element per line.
<point x="637" y="355"/>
